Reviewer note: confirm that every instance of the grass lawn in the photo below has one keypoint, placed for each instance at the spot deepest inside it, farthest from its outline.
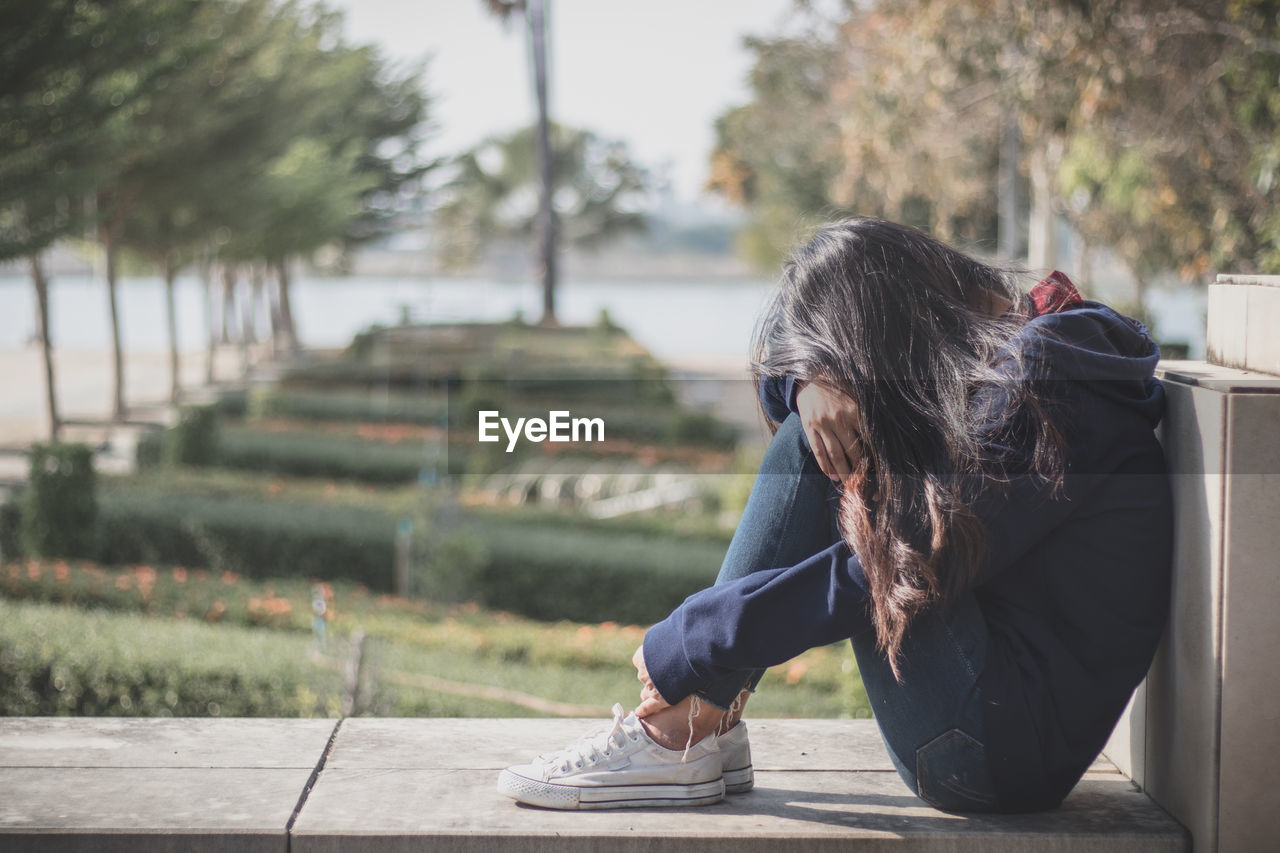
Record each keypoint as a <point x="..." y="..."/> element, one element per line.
<point x="69" y="661"/>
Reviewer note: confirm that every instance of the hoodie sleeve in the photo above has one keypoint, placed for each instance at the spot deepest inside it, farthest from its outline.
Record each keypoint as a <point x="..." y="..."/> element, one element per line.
<point x="761" y="620"/>
<point x="778" y="396"/>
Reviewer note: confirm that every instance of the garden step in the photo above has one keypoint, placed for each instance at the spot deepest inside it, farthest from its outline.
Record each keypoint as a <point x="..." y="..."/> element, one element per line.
<point x="107" y="784"/>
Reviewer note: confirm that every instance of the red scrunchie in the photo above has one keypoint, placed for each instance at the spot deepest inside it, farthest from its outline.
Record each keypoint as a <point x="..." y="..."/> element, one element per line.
<point x="1056" y="293"/>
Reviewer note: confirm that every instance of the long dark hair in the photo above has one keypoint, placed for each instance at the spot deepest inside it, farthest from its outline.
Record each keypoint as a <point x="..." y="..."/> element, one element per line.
<point x="902" y="324"/>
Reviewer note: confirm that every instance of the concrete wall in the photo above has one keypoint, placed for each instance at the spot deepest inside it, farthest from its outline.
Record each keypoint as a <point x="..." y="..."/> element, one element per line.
<point x="1203" y="733"/>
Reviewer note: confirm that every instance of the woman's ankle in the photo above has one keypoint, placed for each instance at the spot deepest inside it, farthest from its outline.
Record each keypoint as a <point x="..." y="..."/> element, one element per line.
<point x="681" y="725"/>
<point x="733" y="716"/>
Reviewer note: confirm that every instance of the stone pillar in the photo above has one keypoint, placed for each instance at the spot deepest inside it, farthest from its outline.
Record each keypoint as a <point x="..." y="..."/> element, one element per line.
<point x="1202" y="736"/>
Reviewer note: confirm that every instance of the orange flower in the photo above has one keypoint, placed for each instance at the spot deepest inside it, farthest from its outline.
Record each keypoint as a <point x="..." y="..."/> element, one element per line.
<point x="146" y="580"/>
<point x="124" y="582"/>
<point x="215" y="611"/>
<point x="229" y="577"/>
<point x="269" y="610"/>
<point x="33" y="570"/>
<point x="62" y="570"/>
<point x="179" y="574"/>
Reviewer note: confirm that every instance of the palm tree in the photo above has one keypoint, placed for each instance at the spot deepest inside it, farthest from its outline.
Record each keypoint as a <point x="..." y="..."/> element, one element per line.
<point x="534" y="13"/>
<point x="598" y="192"/>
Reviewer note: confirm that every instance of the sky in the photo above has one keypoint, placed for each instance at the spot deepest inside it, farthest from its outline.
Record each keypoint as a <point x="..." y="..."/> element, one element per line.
<point x="655" y="74"/>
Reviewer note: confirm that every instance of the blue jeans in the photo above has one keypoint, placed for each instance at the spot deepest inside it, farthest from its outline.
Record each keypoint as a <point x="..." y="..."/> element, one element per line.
<point x="931" y="720"/>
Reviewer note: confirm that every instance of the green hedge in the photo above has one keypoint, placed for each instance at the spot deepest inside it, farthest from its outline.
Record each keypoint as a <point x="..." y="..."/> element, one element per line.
<point x="149" y="452"/>
<point x="59" y="506"/>
<point x="369" y="406"/>
<point x="434" y="355"/>
<point x="11" y="529"/>
<point x="589" y="575"/>
<point x="232" y="402"/>
<point x="301" y="454"/>
<point x="306" y="454"/>
<point x="539" y="570"/>
<point x="59" y="660"/>
<point x="195" y="439"/>
<point x="250" y="537"/>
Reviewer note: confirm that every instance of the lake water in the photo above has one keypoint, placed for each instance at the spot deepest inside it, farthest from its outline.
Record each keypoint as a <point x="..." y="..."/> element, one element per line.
<point x="673" y="319"/>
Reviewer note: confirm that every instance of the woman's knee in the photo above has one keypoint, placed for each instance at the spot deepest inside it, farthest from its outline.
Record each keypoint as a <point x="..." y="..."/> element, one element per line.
<point x="788" y="451"/>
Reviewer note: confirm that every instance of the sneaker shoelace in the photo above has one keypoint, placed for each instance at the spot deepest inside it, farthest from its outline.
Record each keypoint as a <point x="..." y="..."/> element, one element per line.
<point x="593" y="748"/>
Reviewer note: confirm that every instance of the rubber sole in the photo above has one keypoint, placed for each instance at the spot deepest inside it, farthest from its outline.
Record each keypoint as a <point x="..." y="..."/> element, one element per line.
<point x="549" y="795"/>
<point x="739" y="781"/>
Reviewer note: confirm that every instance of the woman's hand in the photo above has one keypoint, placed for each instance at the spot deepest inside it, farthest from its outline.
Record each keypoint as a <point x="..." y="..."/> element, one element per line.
<point x="651" y="700"/>
<point x="830" y="421"/>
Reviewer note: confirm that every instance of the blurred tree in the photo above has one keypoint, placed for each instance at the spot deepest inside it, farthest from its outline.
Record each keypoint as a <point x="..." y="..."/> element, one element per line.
<point x="211" y="129"/>
<point x="1117" y="197"/>
<point x="779" y="155"/>
<point x="1176" y="132"/>
<point x="192" y="124"/>
<point x="387" y="115"/>
<point x="920" y="137"/>
<point x="136" y="152"/>
<point x="1151" y="127"/>
<point x="1145" y="123"/>
<point x="494" y="192"/>
<point x="353" y="167"/>
<point x="279" y="140"/>
<point x="547" y="226"/>
<point x="70" y="72"/>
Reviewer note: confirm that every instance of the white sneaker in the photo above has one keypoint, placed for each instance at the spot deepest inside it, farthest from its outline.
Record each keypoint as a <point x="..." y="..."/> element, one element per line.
<point x="735" y="760"/>
<point x="619" y="768"/>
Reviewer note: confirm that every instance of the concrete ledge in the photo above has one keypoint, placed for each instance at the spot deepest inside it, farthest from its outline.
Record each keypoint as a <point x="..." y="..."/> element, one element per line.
<point x="428" y="784"/>
<point x="118" y="784"/>
<point x="1240" y="327"/>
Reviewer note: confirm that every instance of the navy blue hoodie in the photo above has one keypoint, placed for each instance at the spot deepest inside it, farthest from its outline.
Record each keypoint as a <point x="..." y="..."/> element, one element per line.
<point x="1074" y="584"/>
